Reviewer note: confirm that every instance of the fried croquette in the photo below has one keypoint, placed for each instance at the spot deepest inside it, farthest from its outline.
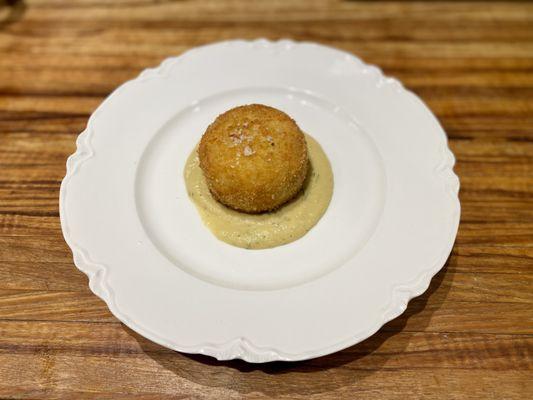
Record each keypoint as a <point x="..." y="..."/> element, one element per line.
<point x="254" y="158"/>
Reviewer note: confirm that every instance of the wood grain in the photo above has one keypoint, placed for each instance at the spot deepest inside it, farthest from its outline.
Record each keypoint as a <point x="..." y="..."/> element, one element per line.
<point x="470" y="336"/>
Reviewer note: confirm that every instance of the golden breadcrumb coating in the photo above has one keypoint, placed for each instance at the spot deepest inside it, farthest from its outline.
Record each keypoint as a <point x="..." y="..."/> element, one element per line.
<point x="254" y="158"/>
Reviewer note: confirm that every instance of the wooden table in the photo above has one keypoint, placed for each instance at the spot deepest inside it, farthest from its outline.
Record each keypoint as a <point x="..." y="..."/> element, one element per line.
<point x="468" y="337"/>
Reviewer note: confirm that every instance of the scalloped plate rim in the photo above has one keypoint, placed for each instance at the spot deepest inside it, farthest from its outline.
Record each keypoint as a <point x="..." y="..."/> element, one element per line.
<point x="241" y="347"/>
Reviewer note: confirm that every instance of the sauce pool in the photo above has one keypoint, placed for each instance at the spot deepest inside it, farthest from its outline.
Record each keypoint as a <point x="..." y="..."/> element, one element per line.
<point x="260" y="231"/>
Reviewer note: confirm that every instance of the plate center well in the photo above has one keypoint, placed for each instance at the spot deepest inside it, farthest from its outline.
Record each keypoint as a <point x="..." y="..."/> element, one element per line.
<point x="174" y="226"/>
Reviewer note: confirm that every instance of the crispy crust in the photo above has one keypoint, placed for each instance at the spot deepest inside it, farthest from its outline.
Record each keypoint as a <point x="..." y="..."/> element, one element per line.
<point x="254" y="158"/>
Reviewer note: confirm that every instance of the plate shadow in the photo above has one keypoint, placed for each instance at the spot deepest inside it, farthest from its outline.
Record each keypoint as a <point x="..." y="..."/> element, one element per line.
<point x="360" y="360"/>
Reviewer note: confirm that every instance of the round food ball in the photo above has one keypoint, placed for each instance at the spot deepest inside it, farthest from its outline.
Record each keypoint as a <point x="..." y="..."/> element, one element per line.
<point x="254" y="158"/>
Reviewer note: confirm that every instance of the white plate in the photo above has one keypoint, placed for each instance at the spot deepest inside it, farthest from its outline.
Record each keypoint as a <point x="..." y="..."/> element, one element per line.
<point x="389" y="228"/>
